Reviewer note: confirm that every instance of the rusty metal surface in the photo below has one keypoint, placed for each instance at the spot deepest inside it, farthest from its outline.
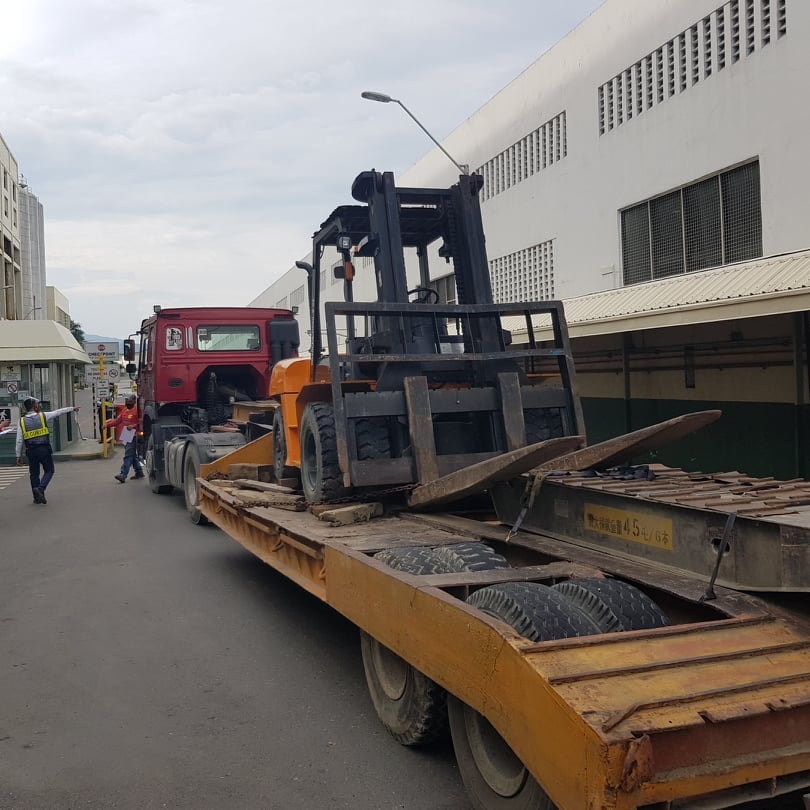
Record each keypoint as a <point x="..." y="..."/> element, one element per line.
<point x="721" y="492"/>
<point x="477" y="477"/>
<point x="625" y="448"/>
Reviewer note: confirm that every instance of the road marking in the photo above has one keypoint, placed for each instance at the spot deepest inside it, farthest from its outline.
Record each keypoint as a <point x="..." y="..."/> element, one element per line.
<point x="8" y="475"/>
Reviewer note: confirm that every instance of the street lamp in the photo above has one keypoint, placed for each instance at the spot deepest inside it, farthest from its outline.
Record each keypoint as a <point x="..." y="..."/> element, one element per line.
<point x="370" y="95"/>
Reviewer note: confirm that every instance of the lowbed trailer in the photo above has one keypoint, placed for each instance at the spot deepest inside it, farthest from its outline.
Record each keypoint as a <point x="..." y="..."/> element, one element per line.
<point x="709" y="711"/>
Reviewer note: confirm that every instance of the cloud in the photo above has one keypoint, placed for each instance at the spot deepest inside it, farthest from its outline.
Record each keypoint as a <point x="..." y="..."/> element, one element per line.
<point x="184" y="152"/>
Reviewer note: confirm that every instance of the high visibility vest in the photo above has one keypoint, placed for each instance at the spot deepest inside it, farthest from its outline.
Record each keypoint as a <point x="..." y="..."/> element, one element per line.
<point x="34" y="432"/>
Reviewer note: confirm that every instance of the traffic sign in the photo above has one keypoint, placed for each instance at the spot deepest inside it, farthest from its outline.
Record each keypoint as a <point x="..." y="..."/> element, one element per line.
<point x="10" y="372"/>
<point x="106" y="351"/>
<point x="114" y="373"/>
<point x="12" y="388"/>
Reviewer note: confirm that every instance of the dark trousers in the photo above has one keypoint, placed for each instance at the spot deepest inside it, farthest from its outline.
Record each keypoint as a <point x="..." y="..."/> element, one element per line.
<point x="40" y="455"/>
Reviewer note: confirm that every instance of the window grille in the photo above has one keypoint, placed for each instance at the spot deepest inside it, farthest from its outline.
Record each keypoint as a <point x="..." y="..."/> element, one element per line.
<point x="297" y="296"/>
<point x="766" y="22"/>
<point x="720" y="28"/>
<point x="526" y="275"/>
<point x="781" y="18"/>
<point x="704" y="48"/>
<point x="750" y="35"/>
<point x="712" y="222"/>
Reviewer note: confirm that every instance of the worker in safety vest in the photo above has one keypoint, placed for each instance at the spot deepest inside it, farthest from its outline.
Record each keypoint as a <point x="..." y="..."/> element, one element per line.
<point x="35" y="434"/>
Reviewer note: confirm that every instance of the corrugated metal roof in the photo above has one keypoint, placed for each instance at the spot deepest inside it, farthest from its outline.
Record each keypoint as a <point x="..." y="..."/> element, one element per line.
<point x="39" y="342"/>
<point x="772" y="285"/>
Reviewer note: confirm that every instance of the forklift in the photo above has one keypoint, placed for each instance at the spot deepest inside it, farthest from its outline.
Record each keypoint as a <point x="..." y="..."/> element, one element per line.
<point x="409" y="391"/>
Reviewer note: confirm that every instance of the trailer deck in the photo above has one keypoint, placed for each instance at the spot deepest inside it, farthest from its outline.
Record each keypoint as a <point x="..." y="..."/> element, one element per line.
<point x="707" y="712"/>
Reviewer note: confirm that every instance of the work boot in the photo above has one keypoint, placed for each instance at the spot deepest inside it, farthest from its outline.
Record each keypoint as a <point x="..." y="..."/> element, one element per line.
<point x="42" y="498"/>
<point x="37" y="493"/>
<point x="120" y="478"/>
<point x="139" y="475"/>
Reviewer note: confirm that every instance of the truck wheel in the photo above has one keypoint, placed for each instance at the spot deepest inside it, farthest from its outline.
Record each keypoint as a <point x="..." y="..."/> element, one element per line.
<point x="149" y="461"/>
<point x="494" y="776"/>
<point x="542" y="424"/>
<point x="280" y="469"/>
<point x="413" y="559"/>
<point x="191" y="489"/>
<point x="471" y="557"/>
<point x="613" y="604"/>
<point x="321" y="478"/>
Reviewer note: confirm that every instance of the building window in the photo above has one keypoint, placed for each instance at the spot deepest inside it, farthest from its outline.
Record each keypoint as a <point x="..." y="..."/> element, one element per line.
<point x="445" y="288"/>
<point x="526" y="275"/>
<point x="706" y="224"/>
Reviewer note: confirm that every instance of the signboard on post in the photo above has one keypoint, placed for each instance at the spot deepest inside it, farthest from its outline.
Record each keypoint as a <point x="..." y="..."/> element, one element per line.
<point x="105" y="351"/>
<point x="10" y="372"/>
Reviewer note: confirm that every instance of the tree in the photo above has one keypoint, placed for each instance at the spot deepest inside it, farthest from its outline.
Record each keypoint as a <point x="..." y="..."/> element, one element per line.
<point x="77" y="331"/>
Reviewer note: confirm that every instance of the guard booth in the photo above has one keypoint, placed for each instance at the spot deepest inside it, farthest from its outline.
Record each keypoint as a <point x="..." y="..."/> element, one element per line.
<point x="38" y="359"/>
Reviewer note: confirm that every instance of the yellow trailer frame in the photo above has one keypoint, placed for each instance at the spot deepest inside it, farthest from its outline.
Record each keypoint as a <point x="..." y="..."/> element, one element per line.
<point x="717" y="709"/>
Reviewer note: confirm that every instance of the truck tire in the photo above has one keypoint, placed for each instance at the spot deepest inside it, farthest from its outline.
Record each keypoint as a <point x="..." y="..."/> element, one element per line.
<point x="613" y="604"/>
<point x="149" y="463"/>
<point x="280" y="469"/>
<point x="494" y="776"/>
<point x="542" y="424"/>
<point x="414" y="560"/>
<point x="321" y="478"/>
<point x="471" y="557"/>
<point x="191" y="489"/>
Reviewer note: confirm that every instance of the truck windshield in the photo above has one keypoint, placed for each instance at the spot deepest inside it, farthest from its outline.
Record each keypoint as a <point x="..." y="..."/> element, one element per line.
<point x="237" y="338"/>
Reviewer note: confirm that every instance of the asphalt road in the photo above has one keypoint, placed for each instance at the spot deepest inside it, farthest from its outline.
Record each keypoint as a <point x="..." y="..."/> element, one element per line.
<point x="149" y="663"/>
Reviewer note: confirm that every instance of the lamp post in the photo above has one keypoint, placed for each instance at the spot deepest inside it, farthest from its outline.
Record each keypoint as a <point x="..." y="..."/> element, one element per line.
<point x="370" y="95"/>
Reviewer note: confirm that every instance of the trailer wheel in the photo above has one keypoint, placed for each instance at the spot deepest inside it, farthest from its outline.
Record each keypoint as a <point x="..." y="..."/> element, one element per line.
<point x="613" y="604"/>
<point x="191" y="489"/>
<point x="411" y="706"/>
<point x="471" y="557"/>
<point x="321" y="478"/>
<point x="494" y="776"/>
<point x="543" y="424"/>
<point x="149" y="462"/>
<point x="280" y="469"/>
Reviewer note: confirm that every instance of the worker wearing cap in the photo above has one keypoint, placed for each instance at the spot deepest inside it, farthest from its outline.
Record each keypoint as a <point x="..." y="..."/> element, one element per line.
<point x="128" y="419"/>
<point x="35" y="434"/>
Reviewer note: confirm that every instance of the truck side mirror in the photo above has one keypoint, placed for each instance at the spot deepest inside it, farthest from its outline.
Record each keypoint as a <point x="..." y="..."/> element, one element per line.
<point x="129" y="351"/>
<point x="130" y="368"/>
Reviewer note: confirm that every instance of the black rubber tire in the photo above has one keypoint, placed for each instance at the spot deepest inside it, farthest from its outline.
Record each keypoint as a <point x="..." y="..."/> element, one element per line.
<point x="414" y="560"/>
<point x="411" y="706"/>
<point x="191" y="489"/>
<point x="280" y="469"/>
<point x="543" y="424"/>
<point x="471" y="557"/>
<point x="494" y="776"/>
<point x="149" y="466"/>
<point x="613" y="604"/>
<point x="474" y="742"/>
<point x="321" y="478"/>
<point x="372" y="438"/>
<point x="536" y="611"/>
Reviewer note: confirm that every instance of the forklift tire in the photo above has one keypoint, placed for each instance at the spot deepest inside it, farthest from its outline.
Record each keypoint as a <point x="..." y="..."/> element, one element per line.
<point x="613" y="604"/>
<point x="543" y="424"/>
<point x="494" y="776"/>
<point x="280" y="469"/>
<point x="321" y="478"/>
<point x="191" y="489"/>
<point x="149" y="463"/>
<point x="373" y="439"/>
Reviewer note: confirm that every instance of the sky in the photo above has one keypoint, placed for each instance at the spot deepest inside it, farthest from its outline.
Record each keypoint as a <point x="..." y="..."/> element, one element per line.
<point x="184" y="151"/>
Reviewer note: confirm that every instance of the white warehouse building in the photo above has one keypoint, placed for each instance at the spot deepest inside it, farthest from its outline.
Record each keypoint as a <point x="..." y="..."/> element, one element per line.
<point x="657" y="138"/>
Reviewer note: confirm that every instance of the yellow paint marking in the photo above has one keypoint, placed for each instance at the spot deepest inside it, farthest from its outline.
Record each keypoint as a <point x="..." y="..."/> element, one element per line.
<point x="631" y="526"/>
